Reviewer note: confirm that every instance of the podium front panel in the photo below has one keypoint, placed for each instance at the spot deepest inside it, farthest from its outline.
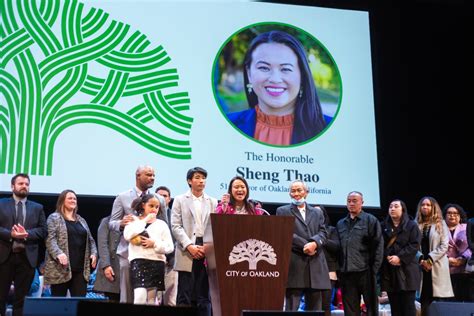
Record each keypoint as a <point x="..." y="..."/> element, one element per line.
<point x="248" y="259"/>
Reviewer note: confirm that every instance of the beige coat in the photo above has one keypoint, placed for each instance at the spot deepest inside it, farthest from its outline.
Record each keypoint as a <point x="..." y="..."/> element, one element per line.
<point x="440" y="272"/>
<point x="183" y="224"/>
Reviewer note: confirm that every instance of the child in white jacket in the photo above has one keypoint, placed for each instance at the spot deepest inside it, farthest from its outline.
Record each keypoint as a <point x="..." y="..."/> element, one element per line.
<point x="150" y="240"/>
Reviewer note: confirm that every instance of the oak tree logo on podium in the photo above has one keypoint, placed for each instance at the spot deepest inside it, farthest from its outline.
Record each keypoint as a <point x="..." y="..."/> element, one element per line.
<point x="253" y="251"/>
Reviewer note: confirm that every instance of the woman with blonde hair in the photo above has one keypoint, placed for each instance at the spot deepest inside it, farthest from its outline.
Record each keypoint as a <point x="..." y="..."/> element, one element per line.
<point x="436" y="281"/>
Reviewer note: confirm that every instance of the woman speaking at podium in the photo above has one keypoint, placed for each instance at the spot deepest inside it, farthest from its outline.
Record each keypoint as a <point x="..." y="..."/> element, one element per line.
<point x="236" y="200"/>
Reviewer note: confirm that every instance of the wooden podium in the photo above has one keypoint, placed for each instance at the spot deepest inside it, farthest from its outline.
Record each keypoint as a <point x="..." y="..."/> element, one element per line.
<point x="247" y="260"/>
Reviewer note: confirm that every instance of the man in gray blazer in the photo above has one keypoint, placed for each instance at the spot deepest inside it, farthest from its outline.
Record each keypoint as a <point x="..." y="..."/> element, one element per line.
<point x="22" y="229"/>
<point x="308" y="272"/>
<point x="190" y="215"/>
<point x="122" y="215"/>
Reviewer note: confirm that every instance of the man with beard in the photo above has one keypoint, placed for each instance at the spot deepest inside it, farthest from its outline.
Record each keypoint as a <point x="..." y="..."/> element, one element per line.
<point x="22" y="228"/>
<point x="122" y="214"/>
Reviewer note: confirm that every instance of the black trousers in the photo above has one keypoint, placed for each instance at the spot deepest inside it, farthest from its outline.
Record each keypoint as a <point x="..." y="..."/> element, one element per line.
<point x="327" y="296"/>
<point x="402" y="303"/>
<point x="193" y="288"/>
<point x="426" y="297"/>
<point x="77" y="286"/>
<point x="16" y="268"/>
<point x="462" y="286"/>
<point x="355" y="284"/>
<point x="470" y="285"/>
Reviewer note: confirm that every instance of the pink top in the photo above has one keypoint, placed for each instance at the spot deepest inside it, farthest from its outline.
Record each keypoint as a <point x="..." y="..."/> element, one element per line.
<point x="229" y="209"/>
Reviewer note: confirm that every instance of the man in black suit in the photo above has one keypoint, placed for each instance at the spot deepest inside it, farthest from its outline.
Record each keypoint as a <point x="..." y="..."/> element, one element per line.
<point x="308" y="272"/>
<point x="22" y="228"/>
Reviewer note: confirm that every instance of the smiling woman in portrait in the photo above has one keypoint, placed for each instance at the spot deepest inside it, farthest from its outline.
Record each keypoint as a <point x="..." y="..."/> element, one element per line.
<point x="284" y="107"/>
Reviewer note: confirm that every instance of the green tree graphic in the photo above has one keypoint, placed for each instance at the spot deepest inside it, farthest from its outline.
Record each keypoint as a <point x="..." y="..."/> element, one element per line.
<point x="48" y="49"/>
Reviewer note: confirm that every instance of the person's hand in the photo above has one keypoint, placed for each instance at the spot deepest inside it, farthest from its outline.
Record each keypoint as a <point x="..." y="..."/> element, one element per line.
<point x="225" y="198"/>
<point x="19" y="232"/>
<point x="456" y="262"/>
<point x="452" y="262"/>
<point x="426" y="265"/>
<point x="62" y="258"/>
<point x="109" y="273"/>
<point x="196" y="252"/>
<point x="310" y="248"/>
<point x="147" y="242"/>
<point x="93" y="261"/>
<point x="383" y="298"/>
<point x="225" y="201"/>
<point x="394" y="260"/>
<point x="150" y="218"/>
<point x="126" y="220"/>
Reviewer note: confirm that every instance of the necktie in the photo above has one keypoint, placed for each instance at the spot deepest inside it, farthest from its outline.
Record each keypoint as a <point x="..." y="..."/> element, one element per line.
<point x="19" y="213"/>
<point x="18" y="245"/>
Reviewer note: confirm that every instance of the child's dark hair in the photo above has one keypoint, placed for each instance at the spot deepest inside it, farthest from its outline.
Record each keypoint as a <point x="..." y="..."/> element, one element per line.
<point x="139" y="202"/>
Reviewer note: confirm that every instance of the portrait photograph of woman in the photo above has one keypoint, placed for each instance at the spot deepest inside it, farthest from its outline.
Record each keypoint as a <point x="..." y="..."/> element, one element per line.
<point x="277" y="84"/>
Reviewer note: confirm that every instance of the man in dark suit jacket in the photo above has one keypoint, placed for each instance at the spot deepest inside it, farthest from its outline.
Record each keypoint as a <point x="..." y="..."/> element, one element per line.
<point x="22" y="228"/>
<point x="308" y="273"/>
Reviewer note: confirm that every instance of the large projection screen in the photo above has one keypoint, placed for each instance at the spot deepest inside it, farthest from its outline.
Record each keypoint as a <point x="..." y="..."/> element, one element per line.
<point x="93" y="89"/>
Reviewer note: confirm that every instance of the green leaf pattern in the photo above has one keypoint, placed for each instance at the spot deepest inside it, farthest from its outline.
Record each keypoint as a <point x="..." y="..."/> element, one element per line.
<point x="48" y="49"/>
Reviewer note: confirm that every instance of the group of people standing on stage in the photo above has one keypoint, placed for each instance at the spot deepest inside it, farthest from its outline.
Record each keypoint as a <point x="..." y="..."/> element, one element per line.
<point x="427" y="255"/>
<point x="145" y="248"/>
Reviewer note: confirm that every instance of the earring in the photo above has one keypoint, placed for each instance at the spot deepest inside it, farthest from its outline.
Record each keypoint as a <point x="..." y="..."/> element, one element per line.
<point x="249" y="87"/>
<point x="301" y="93"/>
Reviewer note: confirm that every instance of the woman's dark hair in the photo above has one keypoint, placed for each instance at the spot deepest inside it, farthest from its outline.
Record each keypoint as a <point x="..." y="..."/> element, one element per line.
<point x="462" y="213"/>
<point x="256" y="202"/>
<point x="309" y="119"/>
<point x="405" y="216"/>
<point x="247" y="204"/>
<point x="139" y="202"/>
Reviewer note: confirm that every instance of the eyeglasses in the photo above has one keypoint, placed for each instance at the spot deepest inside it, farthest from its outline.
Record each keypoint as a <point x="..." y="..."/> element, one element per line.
<point x="452" y="214"/>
